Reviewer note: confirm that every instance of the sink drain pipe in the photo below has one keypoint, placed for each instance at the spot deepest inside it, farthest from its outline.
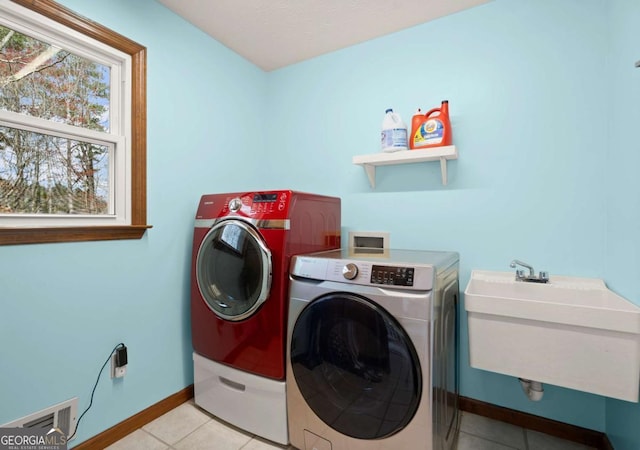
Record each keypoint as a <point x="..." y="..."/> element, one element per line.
<point x="532" y="389"/>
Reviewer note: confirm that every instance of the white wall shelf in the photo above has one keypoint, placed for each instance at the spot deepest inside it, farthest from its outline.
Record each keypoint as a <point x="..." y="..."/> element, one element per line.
<point x="442" y="154"/>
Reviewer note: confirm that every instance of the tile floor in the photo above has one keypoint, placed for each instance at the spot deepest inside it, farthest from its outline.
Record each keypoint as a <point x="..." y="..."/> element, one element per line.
<point x="188" y="427"/>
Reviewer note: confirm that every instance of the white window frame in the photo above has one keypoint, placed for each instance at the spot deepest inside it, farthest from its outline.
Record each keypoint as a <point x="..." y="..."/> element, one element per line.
<point x="137" y="145"/>
<point x="116" y="139"/>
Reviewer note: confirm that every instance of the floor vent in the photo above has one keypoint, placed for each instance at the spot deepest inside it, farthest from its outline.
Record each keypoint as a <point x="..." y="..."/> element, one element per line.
<point x="63" y="416"/>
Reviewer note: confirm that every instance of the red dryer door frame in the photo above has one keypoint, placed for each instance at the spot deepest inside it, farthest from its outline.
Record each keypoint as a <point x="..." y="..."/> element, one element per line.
<point x="233" y="269"/>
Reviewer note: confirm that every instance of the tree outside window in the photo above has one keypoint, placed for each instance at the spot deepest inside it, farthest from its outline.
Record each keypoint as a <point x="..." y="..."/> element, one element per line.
<point x="44" y="174"/>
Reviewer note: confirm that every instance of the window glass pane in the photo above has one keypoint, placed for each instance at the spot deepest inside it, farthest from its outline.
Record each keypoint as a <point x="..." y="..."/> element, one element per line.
<point x="43" y="174"/>
<point x="45" y="81"/>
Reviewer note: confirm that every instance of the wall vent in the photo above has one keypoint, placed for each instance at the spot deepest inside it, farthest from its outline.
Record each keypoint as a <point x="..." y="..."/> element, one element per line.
<point x="63" y="416"/>
<point x="369" y="243"/>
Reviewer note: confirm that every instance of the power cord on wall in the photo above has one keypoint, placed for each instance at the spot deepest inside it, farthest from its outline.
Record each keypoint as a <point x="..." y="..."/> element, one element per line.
<point x="120" y="345"/>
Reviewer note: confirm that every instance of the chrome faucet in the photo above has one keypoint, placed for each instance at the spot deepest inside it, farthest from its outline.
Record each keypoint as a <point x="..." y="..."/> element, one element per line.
<point x="543" y="277"/>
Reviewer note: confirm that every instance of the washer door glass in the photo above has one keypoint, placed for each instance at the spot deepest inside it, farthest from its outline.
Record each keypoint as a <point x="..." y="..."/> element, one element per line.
<point x="355" y="366"/>
<point x="233" y="270"/>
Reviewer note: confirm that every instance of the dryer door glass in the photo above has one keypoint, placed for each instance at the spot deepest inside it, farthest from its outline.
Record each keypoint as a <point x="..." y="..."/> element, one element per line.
<point x="233" y="270"/>
<point x="355" y="366"/>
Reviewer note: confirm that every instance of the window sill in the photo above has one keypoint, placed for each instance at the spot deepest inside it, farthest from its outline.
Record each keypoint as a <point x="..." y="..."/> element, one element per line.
<point x="13" y="236"/>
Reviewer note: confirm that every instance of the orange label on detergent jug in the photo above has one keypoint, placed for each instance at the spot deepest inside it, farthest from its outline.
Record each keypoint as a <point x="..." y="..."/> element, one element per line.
<point x="430" y="132"/>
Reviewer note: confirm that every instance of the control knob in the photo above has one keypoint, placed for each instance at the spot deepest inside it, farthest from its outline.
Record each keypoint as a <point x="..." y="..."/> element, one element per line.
<point x="235" y="204"/>
<point x="350" y="271"/>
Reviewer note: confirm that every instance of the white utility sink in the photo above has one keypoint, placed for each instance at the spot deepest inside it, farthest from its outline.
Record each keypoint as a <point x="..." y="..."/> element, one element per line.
<point x="571" y="332"/>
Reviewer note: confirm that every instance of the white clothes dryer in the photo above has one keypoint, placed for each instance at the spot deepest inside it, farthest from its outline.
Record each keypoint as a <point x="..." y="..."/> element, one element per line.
<point x="372" y="351"/>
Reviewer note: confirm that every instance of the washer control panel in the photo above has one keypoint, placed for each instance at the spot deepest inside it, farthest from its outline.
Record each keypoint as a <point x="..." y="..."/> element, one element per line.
<point x="409" y="276"/>
<point x="392" y="275"/>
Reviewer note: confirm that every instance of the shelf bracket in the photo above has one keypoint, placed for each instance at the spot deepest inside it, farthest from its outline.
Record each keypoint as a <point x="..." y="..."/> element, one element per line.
<point x="443" y="170"/>
<point x="371" y="174"/>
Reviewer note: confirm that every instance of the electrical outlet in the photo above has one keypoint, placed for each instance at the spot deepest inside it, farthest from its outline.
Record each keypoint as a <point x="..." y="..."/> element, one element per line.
<point x="121" y="371"/>
<point x="117" y="372"/>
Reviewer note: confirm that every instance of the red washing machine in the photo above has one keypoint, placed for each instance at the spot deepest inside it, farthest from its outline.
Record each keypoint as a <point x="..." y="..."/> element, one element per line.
<point x="242" y="245"/>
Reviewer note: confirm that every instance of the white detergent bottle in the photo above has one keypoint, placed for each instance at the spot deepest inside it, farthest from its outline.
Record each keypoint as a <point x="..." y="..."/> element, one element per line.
<point x="394" y="132"/>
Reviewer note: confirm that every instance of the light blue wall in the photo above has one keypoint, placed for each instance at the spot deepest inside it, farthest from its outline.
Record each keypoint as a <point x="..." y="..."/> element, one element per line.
<point x="532" y="87"/>
<point x="525" y="81"/>
<point x="623" y="208"/>
<point x="65" y="306"/>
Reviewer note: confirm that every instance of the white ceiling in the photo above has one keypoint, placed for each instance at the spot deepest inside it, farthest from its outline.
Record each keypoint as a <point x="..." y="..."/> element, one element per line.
<point x="275" y="33"/>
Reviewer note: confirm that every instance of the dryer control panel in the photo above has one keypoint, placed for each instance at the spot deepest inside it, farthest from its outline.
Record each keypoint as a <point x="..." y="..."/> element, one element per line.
<point x="270" y="205"/>
<point x="258" y="204"/>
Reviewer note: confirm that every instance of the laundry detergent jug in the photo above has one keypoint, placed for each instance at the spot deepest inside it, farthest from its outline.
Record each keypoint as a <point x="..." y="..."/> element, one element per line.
<point x="433" y="129"/>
